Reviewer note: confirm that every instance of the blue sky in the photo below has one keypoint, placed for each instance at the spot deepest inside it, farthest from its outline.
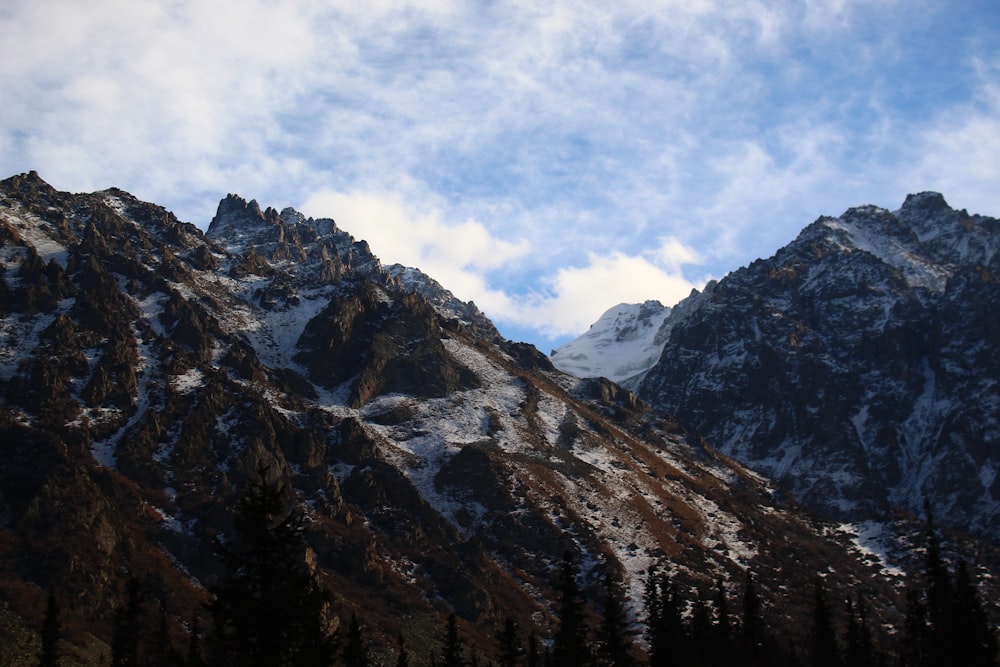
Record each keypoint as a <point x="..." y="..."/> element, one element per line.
<point x="547" y="160"/>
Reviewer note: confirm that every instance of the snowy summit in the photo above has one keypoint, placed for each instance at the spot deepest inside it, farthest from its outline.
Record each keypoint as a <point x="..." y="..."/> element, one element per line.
<point x="624" y="342"/>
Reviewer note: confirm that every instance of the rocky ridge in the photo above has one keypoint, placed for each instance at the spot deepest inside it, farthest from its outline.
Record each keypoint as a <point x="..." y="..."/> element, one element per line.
<point x="147" y="370"/>
<point x="857" y="367"/>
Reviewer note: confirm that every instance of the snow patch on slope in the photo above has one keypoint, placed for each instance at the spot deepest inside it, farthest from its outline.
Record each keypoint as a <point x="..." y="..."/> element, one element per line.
<point x="918" y="271"/>
<point x="440" y="427"/>
<point x="875" y="542"/>
<point x="32" y="230"/>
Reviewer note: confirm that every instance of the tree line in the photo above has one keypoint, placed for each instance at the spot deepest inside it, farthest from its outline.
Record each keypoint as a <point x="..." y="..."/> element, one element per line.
<point x="270" y="611"/>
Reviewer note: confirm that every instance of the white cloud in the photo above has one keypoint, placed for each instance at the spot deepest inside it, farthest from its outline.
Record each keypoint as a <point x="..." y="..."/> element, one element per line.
<point x="133" y="94"/>
<point x="674" y="254"/>
<point x="958" y="154"/>
<point x="473" y="136"/>
<point x="457" y="254"/>
<point x="577" y="296"/>
<point x="462" y="255"/>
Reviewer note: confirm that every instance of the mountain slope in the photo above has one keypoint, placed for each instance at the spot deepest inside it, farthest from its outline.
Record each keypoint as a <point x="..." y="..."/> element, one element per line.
<point x="147" y="371"/>
<point x="858" y="366"/>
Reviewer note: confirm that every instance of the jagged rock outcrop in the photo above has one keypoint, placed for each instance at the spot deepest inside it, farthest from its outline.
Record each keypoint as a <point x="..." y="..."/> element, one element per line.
<point x="461" y="312"/>
<point x="857" y="367"/>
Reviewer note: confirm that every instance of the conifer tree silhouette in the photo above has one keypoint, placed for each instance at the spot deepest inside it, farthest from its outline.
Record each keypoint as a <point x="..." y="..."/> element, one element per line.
<point x="823" y="637"/>
<point x="452" y="645"/>
<point x="570" y="645"/>
<point x="974" y="643"/>
<point x="614" y="647"/>
<point x="128" y="627"/>
<point x="754" y="634"/>
<point x="51" y="629"/>
<point x="402" y="655"/>
<point x="269" y="610"/>
<point x="510" y="644"/>
<point x="355" y="652"/>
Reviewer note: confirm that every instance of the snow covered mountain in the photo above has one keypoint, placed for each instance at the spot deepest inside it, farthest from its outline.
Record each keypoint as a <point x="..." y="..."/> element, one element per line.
<point x="625" y="341"/>
<point x="858" y="367"/>
<point x="148" y="370"/>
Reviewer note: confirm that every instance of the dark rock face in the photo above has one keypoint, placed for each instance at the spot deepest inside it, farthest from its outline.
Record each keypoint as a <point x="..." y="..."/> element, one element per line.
<point x="857" y="366"/>
<point x="148" y="371"/>
<point x="387" y="347"/>
<point x="460" y="313"/>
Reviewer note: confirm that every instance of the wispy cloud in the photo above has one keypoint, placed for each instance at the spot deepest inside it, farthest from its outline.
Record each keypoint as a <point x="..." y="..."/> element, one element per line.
<point x="405" y="232"/>
<point x="563" y="141"/>
<point x="576" y="296"/>
<point x="463" y="254"/>
<point x="961" y="149"/>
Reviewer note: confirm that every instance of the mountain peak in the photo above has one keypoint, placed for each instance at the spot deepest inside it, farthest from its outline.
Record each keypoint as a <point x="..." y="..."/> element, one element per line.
<point x="925" y="201"/>
<point x="855" y="366"/>
<point x="235" y="213"/>
<point x="443" y="300"/>
<point x="932" y="219"/>
<point x="290" y="216"/>
<point x="623" y="342"/>
<point x="28" y="184"/>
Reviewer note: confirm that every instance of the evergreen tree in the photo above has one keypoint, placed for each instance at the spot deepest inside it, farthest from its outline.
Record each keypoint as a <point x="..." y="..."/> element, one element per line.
<point x="654" y="617"/>
<point x="510" y="644"/>
<point x="452" y="646"/>
<point x="974" y="643"/>
<point x="534" y="657"/>
<point x="161" y="652"/>
<point x="754" y="629"/>
<point x="940" y="619"/>
<point x="614" y="647"/>
<point x="701" y="638"/>
<point x="570" y="646"/>
<point x="355" y="652"/>
<point x="915" y="639"/>
<point x="128" y="627"/>
<point x="722" y="621"/>
<point x="665" y="627"/>
<point x="270" y="609"/>
<point x="402" y="656"/>
<point x="51" y="630"/>
<point x="722" y="632"/>
<point x="860" y="649"/>
<point x="823" y="638"/>
<point x="673" y="622"/>
<point x="194" y="657"/>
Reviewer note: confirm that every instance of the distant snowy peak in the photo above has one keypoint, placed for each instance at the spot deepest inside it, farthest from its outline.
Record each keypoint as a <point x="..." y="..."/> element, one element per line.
<point x="621" y="344"/>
